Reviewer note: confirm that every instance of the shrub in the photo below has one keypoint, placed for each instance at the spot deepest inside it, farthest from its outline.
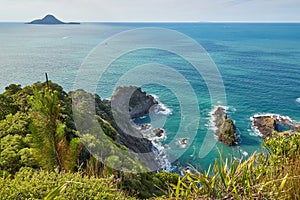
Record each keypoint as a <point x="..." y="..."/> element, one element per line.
<point x="37" y="184"/>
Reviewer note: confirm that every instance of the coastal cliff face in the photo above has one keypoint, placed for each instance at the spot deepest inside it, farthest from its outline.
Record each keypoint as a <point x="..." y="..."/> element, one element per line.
<point x="270" y="125"/>
<point x="133" y="101"/>
<point x="140" y="103"/>
<point x="226" y="130"/>
<point x="128" y="103"/>
<point x="117" y="125"/>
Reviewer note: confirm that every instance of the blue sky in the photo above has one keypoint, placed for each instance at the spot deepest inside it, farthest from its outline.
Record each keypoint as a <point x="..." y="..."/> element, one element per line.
<point x="153" y="10"/>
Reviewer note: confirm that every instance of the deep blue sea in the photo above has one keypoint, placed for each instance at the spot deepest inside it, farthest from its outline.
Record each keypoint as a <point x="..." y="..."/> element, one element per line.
<point x="259" y="65"/>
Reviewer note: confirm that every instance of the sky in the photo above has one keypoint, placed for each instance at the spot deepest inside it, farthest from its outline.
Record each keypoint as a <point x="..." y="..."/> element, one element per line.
<point x="152" y="10"/>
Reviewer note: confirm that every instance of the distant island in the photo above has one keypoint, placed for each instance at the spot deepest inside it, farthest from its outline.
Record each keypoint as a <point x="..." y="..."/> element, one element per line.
<point x="50" y="19"/>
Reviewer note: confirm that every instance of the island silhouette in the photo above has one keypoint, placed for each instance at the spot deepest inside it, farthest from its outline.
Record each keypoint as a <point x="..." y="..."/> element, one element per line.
<point x="50" y="19"/>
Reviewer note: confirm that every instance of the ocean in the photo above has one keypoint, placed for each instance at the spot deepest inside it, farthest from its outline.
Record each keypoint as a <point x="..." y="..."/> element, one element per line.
<point x="259" y="66"/>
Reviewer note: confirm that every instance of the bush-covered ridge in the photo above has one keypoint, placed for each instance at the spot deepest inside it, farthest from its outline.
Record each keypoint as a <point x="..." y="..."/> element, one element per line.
<point x="32" y="166"/>
<point x="37" y="131"/>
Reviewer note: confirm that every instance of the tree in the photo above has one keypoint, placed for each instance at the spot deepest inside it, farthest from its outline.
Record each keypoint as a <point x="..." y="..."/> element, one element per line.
<point x="7" y="106"/>
<point x="53" y="149"/>
<point x="12" y="89"/>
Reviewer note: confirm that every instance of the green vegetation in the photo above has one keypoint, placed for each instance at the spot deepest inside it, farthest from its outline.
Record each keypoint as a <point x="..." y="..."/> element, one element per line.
<point x="48" y="132"/>
<point x="274" y="174"/>
<point x="42" y="156"/>
<point x="38" y="136"/>
<point x="228" y="133"/>
<point x="37" y="184"/>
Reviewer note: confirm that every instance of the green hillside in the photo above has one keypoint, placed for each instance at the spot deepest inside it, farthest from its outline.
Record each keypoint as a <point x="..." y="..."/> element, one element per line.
<point x="42" y="156"/>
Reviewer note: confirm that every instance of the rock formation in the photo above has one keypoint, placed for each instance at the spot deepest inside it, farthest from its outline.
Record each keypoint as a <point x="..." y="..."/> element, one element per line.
<point x="123" y="132"/>
<point x="268" y="125"/>
<point x="131" y="100"/>
<point x="226" y="130"/>
<point x="158" y="132"/>
<point x="128" y="103"/>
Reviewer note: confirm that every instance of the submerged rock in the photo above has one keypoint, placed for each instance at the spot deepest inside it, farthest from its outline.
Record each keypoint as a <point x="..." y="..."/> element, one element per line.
<point x="145" y="127"/>
<point x="226" y="130"/>
<point x="183" y="142"/>
<point x="270" y="124"/>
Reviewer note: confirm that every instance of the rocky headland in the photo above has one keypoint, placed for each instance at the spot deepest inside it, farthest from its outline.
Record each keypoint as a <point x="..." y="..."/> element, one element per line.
<point x="132" y="101"/>
<point x="116" y="124"/>
<point x="226" y="130"/>
<point x="270" y="125"/>
<point x="128" y="103"/>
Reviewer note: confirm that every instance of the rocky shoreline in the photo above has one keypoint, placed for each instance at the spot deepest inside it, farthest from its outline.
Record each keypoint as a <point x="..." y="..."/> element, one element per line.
<point x="265" y="125"/>
<point x="129" y="103"/>
<point x="269" y="125"/>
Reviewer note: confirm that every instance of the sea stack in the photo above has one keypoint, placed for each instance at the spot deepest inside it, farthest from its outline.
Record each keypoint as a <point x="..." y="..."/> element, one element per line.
<point x="226" y="130"/>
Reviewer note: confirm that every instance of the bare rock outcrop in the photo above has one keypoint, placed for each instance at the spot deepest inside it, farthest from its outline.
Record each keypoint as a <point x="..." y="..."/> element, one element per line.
<point x="132" y="101"/>
<point x="270" y="124"/>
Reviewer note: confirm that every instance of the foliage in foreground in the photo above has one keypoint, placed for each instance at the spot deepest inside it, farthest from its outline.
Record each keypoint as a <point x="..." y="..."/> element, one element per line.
<point x="270" y="175"/>
<point x="26" y="122"/>
<point x="274" y="174"/>
<point x="37" y="184"/>
<point x="37" y="131"/>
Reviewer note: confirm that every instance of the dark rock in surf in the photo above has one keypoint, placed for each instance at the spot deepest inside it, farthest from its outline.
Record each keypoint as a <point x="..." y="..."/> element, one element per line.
<point x="158" y="132"/>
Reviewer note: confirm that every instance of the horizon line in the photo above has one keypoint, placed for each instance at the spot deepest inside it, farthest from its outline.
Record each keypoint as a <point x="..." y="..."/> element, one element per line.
<point x="262" y="22"/>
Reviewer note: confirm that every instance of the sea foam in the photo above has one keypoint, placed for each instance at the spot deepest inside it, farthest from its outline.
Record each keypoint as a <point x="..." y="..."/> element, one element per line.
<point x="161" y="108"/>
<point x="277" y="117"/>
<point x="147" y="130"/>
<point x="212" y="118"/>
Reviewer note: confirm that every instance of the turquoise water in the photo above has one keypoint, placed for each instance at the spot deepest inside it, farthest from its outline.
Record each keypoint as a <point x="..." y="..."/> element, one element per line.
<point x="259" y="64"/>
